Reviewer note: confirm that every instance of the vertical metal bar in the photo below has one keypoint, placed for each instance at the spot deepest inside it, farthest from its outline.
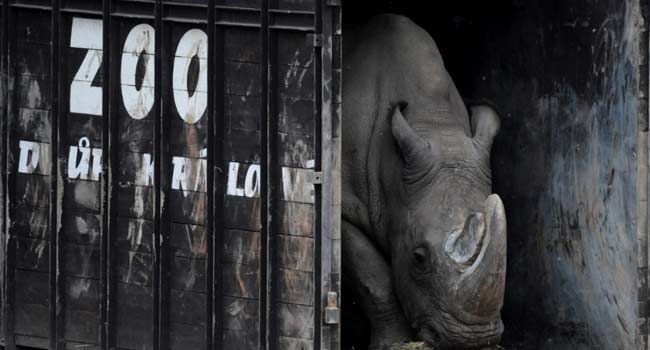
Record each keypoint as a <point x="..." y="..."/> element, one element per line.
<point x="324" y="81"/>
<point x="211" y="302"/>
<point x="220" y="179"/>
<point x="158" y="277"/>
<point x="114" y="95"/>
<point x="3" y="153"/>
<point x="274" y="178"/>
<point x="165" y="256"/>
<point x="318" y="189"/>
<point x="266" y="183"/>
<point x="109" y="150"/>
<point x="333" y="176"/>
<point x="55" y="279"/>
<point x="8" y="242"/>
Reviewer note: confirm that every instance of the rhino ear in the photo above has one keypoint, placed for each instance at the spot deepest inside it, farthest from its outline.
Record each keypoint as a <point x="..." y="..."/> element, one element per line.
<point x="416" y="153"/>
<point x="485" y="125"/>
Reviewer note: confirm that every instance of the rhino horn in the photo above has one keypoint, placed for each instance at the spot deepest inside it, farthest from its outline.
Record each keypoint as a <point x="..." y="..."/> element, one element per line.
<point x="482" y="285"/>
<point x="416" y="153"/>
<point x="485" y="125"/>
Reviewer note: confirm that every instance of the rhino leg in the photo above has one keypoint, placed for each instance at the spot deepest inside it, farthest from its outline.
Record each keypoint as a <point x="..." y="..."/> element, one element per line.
<point x="369" y="274"/>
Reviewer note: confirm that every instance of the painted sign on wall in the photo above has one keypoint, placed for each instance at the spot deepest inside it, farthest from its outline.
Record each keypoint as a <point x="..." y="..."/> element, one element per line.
<point x="84" y="161"/>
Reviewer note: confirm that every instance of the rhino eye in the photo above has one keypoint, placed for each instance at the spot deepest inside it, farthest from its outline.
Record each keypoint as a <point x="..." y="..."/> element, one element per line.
<point x="420" y="255"/>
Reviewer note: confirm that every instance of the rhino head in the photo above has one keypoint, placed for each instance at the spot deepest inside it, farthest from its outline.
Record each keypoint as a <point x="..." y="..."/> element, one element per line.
<point x="448" y="247"/>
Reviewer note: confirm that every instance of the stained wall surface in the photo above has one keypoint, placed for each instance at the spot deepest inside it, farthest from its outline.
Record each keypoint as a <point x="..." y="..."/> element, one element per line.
<point x="565" y="79"/>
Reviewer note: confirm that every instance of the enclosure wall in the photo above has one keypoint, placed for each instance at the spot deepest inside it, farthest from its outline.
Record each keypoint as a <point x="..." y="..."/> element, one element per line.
<point x="570" y="164"/>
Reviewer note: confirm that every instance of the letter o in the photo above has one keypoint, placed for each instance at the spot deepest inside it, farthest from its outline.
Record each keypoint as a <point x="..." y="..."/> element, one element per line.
<point x="252" y="182"/>
<point x="139" y="42"/>
<point x="191" y="108"/>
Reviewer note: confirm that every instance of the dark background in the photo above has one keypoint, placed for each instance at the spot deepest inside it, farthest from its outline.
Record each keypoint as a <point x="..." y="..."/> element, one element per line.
<point x="458" y="27"/>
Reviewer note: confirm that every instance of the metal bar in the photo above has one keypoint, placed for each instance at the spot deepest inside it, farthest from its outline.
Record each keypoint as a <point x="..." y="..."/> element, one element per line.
<point x="291" y="12"/>
<point x="265" y="176"/>
<point x="211" y="302"/>
<point x="304" y="29"/>
<point x="109" y="161"/>
<point x="72" y="11"/>
<point x="221" y="180"/>
<point x="32" y="7"/>
<point x="165" y="256"/>
<point x="55" y="278"/>
<point x="114" y="94"/>
<point x="159" y="301"/>
<point x="319" y="192"/>
<point x="274" y="178"/>
<point x="327" y="190"/>
<point x="8" y="241"/>
<point x="183" y="20"/>
<point x="131" y="16"/>
<point x="238" y="8"/>
<point x="334" y="170"/>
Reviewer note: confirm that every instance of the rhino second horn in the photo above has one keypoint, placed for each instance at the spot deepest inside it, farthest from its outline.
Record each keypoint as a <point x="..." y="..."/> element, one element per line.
<point x="416" y="153"/>
<point x="485" y="125"/>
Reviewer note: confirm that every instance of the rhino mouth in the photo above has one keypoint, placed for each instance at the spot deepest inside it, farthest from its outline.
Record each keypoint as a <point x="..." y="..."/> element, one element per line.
<point x="451" y="333"/>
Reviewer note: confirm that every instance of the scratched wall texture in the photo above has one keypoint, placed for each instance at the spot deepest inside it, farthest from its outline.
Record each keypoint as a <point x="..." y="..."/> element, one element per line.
<point x="564" y="76"/>
<point x="565" y="79"/>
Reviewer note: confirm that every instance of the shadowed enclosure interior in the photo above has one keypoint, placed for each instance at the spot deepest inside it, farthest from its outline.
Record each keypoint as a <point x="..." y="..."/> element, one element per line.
<point x="569" y="162"/>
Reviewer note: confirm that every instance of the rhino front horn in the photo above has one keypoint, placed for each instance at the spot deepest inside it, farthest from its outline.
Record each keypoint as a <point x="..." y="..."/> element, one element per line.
<point x="481" y="288"/>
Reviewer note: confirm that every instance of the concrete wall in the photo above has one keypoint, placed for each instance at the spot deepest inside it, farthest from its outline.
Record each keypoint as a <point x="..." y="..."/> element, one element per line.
<point x="564" y="76"/>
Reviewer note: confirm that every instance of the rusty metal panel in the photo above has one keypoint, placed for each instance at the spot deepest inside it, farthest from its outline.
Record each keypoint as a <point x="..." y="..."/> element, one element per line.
<point x="169" y="174"/>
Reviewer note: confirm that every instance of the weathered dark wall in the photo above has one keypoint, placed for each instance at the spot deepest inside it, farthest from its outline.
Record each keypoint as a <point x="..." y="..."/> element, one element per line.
<point x="565" y="79"/>
<point x="564" y="76"/>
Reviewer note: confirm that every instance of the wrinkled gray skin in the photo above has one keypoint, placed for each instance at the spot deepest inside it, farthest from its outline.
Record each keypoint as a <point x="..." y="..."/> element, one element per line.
<point x="423" y="240"/>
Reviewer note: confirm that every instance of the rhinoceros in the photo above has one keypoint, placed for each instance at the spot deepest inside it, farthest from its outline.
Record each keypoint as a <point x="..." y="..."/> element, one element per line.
<point x="423" y="238"/>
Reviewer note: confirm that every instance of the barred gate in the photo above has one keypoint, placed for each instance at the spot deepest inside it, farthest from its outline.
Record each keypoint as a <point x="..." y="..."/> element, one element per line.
<point x="170" y="174"/>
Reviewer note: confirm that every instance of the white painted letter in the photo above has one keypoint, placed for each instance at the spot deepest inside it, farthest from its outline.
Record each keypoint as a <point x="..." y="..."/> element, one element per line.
<point x="297" y="185"/>
<point x="232" y="189"/>
<point x="191" y="104"/>
<point x="97" y="164"/>
<point x="79" y="170"/>
<point x="139" y="42"/>
<point x="86" y="33"/>
<point x="180" y="177"/>
<point x="144" y="176"/>
<point x="252" y="183"/>
<point x="34" y="158"/>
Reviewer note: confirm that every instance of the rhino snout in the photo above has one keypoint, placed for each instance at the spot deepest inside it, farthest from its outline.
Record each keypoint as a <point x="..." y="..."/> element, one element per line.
<point x="471" y="318"/>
